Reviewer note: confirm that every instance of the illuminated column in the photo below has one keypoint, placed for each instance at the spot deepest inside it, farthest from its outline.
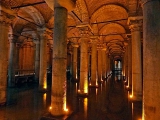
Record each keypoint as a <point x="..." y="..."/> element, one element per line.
<point x="99" y="63"/>
<point x="59" y="63"/>
<point x="17" y="58"/>
<point x="126" y="61"/>
<point x="94" y="62"/>
<point x="107" y="64"/>
<point x="151" y="59"/>
<point x="12" y="62"/>
<point x="43" y="61"/>
<point x="104" y="62"/>
<point x="4" y="29"/>
<point x="135" y="26"/>
<point x="37" y="60"/>
<point x="83" y="84"/>
<point x="75" y="60"/>
<point x="89" y="60"/>
<point x="129" y="64"/>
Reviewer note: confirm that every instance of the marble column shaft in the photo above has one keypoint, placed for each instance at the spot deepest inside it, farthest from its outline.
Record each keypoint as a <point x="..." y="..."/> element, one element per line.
<point x="104" y="63"/>
<point x="75" y="62"/>
<point x="136" y="61"/>
<point x="12" y="62"/>
<point x="43" y="61"/>
<point x="59" y="62"/>
<point x="37" y="61"/>
<point x="94" y="63"/>
<point x="107" y="65"/>
<point x="126" y="63"/>
<point x="83" y="84"/>
<point x="99" y="64"/>
<point x="151" y="59"/>
<point x="129" y="64"/>
<point x="4" y="27"/>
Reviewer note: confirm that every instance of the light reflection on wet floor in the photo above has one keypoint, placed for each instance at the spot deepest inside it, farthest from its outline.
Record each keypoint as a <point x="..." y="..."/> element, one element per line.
<point x="107" y="102"/>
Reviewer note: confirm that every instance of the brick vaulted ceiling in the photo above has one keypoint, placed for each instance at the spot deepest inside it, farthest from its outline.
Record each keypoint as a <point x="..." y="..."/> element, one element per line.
<point x="108" y="19"/>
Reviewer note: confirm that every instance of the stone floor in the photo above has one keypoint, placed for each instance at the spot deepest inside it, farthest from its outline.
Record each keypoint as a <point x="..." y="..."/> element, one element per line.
<point x="107" y="102"/>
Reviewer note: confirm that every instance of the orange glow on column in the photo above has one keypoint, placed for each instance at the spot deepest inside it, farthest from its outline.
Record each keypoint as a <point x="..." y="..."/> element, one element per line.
<point x="64" y="99"/>
<point x="85" y="86"/>
<point x="85" y="107"/>
<point x="50" y="108"/>
<point x="76" y="74"/>
<point x="45" y="83"/>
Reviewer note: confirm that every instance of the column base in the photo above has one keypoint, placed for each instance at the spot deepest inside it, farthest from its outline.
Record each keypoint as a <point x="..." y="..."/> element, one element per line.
<point x="42" y="90"/>
<point x="93" y="86"/>
<point x="49" y="116"/>
<point x="82" y="94"/>
<point x="135" y="99"/>
<point x="128" y="88"/>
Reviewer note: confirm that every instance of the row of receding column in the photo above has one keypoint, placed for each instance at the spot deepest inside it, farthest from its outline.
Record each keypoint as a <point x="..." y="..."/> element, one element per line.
<point x="40" y="59"/>
<point x="148" y="90"/>
<point x="150" y="56"/>
<point x="134" y="59"/>
<point x="99" y="62"/>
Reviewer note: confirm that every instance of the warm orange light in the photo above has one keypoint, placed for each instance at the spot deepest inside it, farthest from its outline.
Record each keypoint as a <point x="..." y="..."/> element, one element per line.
<point x="66" y="110"/>
<point x="131" y="96"/>
<point x="90" y="84"/>
<point x="45" y="86"/>
<point x="50" y="108"/>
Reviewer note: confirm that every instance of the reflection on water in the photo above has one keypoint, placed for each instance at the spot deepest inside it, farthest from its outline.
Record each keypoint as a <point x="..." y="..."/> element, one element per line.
<point x="107" y="102"/>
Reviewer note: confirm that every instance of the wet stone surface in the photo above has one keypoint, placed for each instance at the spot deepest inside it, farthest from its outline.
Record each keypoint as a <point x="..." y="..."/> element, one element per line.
<point x="107" y="102"/>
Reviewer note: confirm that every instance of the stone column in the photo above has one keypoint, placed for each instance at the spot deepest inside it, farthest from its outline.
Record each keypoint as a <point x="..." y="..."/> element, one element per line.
<point x="12" y="64"/>
<point x="126" y="62"/>
<point x="107" y="64"/>
<point x="135" y="25"/>
<point x="59" y="63"/>
<point x="129" y="64"/>
<point x="43" y="61"/>
<point x="83" y="84"/>
<point x="104" y="62"/>
<point x="74" y="62"/>
<point x="37" y="60"/>
<point x="4" y="27"/>
<point x="17" y="59"/>
<point x="99" y="63"/>
<point x="151" y="59"/>
<point x="89" y="61"/>
<point x="94" y="79"/>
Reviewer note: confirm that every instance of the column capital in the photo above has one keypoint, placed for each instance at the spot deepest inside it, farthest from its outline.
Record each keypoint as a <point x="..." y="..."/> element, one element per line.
<point x="42" y="32"/>
<point x="75" y="45"/>
<point x="135" y="27"/>
<point x="135" y="20"/>
<point x="12" y="38"/>
<point x="36" y="41"/>
<point x="99" y="46"/>
<point x="104" y="47"/>
<point x="6" y="15"/>
<point x="84" y="29"/>
<point x="135" y="23"/>
<point x="93" y="39"/>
